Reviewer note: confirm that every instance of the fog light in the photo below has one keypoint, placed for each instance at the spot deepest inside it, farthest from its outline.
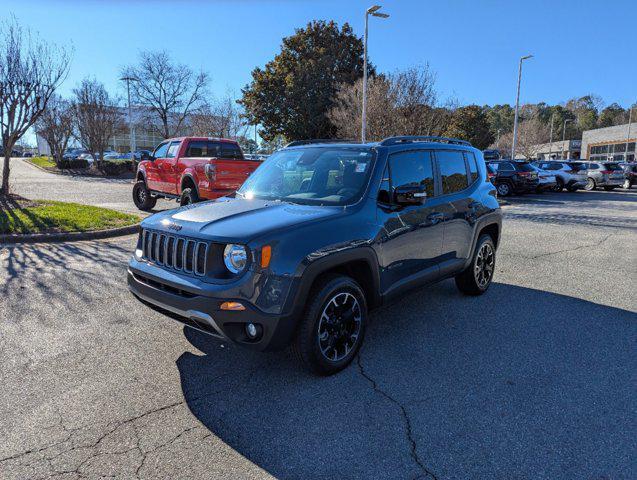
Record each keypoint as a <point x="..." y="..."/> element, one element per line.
<point x="235" y="306"/>
<point x="139" y="254"/>
<point x="251" y="330"/>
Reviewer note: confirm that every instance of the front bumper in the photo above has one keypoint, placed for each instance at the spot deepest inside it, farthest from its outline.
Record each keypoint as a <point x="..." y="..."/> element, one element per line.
<point x="198" y="306"/>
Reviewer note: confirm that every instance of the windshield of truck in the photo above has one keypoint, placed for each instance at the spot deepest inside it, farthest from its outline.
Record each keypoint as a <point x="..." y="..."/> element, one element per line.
<point x="312" y="175"/>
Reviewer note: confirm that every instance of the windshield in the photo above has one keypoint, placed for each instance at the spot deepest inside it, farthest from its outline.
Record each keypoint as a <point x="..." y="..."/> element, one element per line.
<point x="312" y="175"/>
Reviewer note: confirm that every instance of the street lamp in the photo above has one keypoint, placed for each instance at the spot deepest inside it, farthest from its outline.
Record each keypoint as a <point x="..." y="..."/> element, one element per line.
<point x="551" y="136"/>
<point x="564" y="136"/>
<point x="373" y="11"/>
<point x="517" y="107"/>
<point x="630" y="120"/>
<point x="131" y="129"/>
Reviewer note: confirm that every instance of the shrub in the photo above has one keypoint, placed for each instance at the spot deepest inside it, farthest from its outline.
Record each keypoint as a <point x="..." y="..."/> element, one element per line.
<point x="115" y="167"/>
<point x="68" y="163"/>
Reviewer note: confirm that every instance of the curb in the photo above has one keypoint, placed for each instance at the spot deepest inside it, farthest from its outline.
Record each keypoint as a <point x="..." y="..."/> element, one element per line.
<point x="69" y="236"/>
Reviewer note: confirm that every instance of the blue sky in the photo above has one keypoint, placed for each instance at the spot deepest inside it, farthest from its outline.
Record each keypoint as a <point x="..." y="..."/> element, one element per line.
<point x="580" y="47"/>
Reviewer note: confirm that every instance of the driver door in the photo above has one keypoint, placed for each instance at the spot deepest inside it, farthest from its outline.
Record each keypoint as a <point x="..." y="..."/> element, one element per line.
<point x="411" y="242"/>
<point x="153" y="179"/>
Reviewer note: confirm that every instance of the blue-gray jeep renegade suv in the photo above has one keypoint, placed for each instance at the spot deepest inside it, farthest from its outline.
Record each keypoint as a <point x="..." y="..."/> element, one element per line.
<point x="319" y="234"/>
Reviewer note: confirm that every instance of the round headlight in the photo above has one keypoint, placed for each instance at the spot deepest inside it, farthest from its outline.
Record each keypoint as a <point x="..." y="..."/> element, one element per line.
<point x="235" y="257"/>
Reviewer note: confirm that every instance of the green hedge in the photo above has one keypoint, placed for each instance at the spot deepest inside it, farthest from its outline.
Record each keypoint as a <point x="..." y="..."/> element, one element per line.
<point x="115" y="167"/>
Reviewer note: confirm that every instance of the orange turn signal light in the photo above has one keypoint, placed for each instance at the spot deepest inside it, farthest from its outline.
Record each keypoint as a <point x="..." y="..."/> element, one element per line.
<point x="235" y="306"/>
<point x="266" y="255"/>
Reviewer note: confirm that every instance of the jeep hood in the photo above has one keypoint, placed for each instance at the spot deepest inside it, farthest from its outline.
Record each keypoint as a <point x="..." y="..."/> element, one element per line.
<point x="236" y="219"/>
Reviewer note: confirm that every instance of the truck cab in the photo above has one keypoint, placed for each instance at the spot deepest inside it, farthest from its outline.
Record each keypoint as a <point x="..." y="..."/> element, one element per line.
<point x="190" y="169"/>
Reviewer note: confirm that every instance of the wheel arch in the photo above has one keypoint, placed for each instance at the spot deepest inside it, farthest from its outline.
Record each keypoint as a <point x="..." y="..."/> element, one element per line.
<point x="188" y="181"/>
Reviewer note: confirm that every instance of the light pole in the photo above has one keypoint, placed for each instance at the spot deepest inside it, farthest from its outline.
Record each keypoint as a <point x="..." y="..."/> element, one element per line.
<point x="373" y="11"/>
<point x="564" y="136"/>
<point x="630" y="120"/>
<point x="131" y="129"/>
<point x="517" y="107"/>
<point x="551" y="135"/>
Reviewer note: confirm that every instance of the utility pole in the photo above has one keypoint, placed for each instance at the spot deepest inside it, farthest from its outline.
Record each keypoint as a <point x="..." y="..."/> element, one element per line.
<point x="551" y="135"/>
<point x="373" y="11"/>
<point x="517" y="107"/>
<point x="630" y="120"/>
<point x="131" y="128"/>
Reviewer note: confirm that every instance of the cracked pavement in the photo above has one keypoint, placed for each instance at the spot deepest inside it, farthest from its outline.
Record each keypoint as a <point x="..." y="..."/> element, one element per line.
<point x="535" y="379"/>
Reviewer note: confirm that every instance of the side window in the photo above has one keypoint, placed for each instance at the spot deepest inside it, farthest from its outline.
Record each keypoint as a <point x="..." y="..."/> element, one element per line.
<point x="453" y="171"/>
<point x="473" y="166"/>
<point x="160" y="151"/>
<point x="197" y="149"/>
<point x="412" y="168"/>
<point x="494" y="166"/>
<point x="593" y="166"/>
<point x="506" y="167"/>
<point x="172" y="150"/>
<point x="214" y="149"/>
<point x="231" y="151"/>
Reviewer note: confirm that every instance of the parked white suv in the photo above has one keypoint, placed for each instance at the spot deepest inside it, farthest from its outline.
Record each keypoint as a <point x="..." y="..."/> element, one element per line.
<point x="569" y="175"/>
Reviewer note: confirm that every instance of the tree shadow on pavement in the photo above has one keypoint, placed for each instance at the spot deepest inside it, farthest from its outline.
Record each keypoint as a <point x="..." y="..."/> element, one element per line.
<point x="518" y="383"/>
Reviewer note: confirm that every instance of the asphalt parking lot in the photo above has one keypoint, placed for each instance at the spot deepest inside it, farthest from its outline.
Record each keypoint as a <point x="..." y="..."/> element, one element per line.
<point x="535" y="379"/>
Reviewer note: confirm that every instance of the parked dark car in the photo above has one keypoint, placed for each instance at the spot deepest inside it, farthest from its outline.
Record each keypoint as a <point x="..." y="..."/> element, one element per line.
<point x="514" y="177"/>
<point x="491" y="155"/>
<point x="630" y="174"/>
<point x="318" y="235"/>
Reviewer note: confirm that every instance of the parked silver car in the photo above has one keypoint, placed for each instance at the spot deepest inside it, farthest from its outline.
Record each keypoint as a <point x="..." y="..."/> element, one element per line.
<point x="569" y="175"/>
<point x="608" y="175"/>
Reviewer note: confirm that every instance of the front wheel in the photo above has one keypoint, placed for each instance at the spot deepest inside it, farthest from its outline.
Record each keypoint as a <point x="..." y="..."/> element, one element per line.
<point x="477" y="277"/>
<point x="142" y="197"/>
<point x="590" y="185"/>
<point x="332" y="328"/>
<point x="626" y="185"/>
<point x="608" y="189"/>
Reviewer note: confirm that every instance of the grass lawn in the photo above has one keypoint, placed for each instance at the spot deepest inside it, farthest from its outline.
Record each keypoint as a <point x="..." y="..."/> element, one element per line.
<point x="18" y="215"/>
<point x="44" y="162"/>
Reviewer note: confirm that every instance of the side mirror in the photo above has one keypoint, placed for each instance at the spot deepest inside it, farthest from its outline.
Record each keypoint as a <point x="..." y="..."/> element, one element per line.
<point x="410" y="194"/>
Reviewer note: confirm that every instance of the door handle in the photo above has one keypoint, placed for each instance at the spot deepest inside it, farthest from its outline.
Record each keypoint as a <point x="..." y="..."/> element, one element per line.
<point x="436" y="217"/>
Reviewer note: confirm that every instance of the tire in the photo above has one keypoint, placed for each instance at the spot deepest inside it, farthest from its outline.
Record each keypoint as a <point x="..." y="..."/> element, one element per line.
<point x="477" y="277"/>
<point x="608" y="189"/>
<point x="142" y="197"/>
<point x="316" y="340"/>
<point x="504" y="189"/>
<point x="590" y="185"/>
<point x="572" y="188"/>
<point x="559" y="185"/>
<point x="626" y="185"/>
<point x="188" y="196"/>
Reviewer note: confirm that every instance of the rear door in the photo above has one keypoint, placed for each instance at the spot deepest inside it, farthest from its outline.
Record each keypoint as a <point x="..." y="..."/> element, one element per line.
<point x="458" y="185"/>
<point x="153" y="180"/>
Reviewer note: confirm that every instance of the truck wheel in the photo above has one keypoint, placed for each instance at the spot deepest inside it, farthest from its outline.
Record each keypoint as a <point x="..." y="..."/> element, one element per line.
<point x="188" y="196"/>
<point x="477" y="277"/>
<point x="142" y="197"/>
<point x="332" y="327"/>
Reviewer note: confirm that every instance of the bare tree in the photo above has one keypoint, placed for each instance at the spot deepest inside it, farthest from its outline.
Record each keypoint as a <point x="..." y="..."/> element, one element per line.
<point x="55" y="126"/>
<point x="402" y="103"/>
<point x="219" y="118"/>
<point x="97" y="117"/>
<point x="30" y="71"/>
<point x="532" y="134"/>
<point x="170" y="91"/>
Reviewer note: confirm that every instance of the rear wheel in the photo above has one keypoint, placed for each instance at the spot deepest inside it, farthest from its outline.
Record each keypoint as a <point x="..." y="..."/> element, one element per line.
<point x="608" y="189"/>
<point x="572" y="188"/>
<point x="142" y="197"/>
<point x="333" y="325"/>
<point x="626" y="184"/>
<point x="590" y="184"/>
<point x="559" y="185"/>
<point x="504" y="189"/>
<point x="188" y="196"/>
<point x="477" y="277"/>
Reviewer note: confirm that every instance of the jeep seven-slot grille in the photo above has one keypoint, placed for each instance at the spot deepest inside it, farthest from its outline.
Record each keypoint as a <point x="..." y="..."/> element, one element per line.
<point x="178" y="253"/>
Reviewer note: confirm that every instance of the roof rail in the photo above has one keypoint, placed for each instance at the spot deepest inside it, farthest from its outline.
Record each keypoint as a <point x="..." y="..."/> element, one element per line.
<point x="411" y="139"/>
<point x="297" y="143"/>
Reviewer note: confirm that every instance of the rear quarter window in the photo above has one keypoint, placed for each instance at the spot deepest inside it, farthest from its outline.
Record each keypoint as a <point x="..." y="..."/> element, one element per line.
<point x="524" y="167"/>
<point x="231" y="151"/>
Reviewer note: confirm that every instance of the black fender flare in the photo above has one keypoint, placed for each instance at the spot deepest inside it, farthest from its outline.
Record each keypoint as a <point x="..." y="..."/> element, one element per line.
<point x="141" y="175"/>
<point x="309" y="272"/>
<point x="486" y="220"/>
<point x="192" y="179"/>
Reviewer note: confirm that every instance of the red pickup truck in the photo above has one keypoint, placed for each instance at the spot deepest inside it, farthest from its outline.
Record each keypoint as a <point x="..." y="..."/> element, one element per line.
<point x="190" y="169"/>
